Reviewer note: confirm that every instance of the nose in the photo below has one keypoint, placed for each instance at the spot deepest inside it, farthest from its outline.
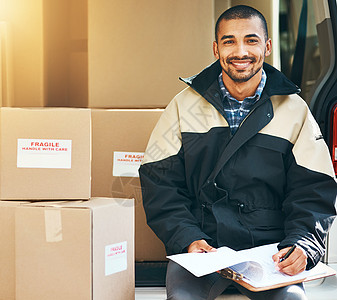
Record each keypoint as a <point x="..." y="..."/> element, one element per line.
<point x="241" y="49"/>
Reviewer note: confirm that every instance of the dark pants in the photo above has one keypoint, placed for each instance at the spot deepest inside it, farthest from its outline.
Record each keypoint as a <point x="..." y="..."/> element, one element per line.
<point x="182" y="285"/>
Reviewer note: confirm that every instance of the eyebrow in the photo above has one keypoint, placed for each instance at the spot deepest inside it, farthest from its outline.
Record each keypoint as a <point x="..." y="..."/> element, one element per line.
<point x="226" y="37"/>
<point x="230" y="36"/>
<point x="253" y="35"/>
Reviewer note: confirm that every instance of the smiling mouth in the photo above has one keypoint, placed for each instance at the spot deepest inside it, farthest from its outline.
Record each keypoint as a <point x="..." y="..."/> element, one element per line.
<point x="241" y="63"/>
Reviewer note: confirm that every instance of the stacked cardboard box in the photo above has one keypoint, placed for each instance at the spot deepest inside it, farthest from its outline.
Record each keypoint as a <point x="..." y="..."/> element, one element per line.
<point x="7" y="249"/>
<point x="45" y="153"/>
<point x="73" y="250"/>
<point x="130" y="70"/>
<point x="63" y="248"/>
<point x="120" y="138"/>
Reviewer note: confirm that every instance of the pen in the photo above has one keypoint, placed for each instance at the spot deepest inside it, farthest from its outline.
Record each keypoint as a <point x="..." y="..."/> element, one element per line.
<point x="291" y="250"/>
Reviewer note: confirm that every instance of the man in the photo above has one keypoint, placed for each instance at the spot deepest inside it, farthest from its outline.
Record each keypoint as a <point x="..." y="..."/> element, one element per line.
<point x="237" y="160"/>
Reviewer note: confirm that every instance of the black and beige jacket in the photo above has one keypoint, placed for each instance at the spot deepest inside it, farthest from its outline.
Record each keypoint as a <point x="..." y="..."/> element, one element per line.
<point x="272" y="181"/>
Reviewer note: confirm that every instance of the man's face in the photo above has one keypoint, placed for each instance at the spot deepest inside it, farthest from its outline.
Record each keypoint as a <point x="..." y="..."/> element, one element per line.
<point x="241" y="48"/>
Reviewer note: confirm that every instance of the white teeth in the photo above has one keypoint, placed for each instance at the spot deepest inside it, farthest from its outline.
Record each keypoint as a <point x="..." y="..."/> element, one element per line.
<point x="240" y="65"/>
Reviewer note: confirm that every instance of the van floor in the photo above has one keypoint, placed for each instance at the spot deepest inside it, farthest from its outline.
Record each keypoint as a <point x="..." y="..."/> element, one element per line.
<point x="159" y="293"/>
<point x="150" y="293"/>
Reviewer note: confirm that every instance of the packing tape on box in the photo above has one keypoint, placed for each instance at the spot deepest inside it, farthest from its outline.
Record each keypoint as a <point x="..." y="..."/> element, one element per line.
<point x="53" y="225"/>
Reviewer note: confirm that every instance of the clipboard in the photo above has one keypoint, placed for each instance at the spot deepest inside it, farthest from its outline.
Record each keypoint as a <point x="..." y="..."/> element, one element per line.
<point x="239" y="278"/>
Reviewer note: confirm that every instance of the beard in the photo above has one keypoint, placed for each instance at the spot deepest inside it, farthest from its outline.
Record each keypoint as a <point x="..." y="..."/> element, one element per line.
<point x="240" y="76"/>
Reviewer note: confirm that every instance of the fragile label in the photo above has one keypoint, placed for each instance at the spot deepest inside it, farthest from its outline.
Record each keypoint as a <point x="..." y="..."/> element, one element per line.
<point x="115" y="258"/>
<point x="44" y="153"/>
<point x="126" y="164"/>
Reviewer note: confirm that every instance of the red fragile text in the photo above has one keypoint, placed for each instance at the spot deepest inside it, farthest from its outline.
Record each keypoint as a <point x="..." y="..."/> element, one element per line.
<point x="45" y="144"/>
<point x="134" y="156"/>
<point x="116" y="253"/>
<point x="116" y="250"/>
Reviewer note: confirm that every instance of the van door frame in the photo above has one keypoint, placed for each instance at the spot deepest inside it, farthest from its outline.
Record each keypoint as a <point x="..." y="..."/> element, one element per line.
<point x="324" y="93"/>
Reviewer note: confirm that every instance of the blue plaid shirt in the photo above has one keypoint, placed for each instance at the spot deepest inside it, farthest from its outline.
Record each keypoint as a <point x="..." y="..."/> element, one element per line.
<point x="236" y="111"/>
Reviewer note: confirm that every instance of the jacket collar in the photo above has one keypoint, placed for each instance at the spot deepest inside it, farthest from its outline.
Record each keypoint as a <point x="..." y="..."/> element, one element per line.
<point x="277" y="83"/>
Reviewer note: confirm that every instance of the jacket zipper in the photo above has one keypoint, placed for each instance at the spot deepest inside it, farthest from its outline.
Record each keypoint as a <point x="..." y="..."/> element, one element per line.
<point x="203" y="207"/>
<point x="240" y="207"/>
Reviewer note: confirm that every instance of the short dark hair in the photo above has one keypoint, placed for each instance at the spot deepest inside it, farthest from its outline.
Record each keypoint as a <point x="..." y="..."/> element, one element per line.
<point x="241" y="12"/>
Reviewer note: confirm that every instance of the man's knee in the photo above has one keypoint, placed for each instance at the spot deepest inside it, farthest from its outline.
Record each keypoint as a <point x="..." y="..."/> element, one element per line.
<point x="292" y="292"/>
<point x="181" y="284"/>
<point x="295" y="293"/>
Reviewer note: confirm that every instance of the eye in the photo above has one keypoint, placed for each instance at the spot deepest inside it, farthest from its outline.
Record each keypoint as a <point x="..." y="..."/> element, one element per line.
<point x="252" y="41"/>
<point x="228" y="42"/>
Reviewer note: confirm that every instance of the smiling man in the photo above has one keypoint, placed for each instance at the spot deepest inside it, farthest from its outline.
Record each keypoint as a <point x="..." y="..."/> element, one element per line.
<point x="237" y="160"/>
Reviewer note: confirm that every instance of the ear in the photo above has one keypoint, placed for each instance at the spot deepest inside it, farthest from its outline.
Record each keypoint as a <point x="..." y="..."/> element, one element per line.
<point x="215" y="50"/>
<point x="268" y="47"/>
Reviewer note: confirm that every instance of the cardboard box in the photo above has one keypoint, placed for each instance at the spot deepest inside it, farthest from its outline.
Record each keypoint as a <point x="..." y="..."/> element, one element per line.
<point x="146" y="76"/>
<point x="116" y="158"/>
<point x="45" y="153"/>
<point x="7" y="249"/>
<point x="75" y="250"/>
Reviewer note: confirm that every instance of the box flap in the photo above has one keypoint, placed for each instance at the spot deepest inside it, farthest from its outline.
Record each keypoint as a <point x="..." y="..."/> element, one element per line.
<point x="92" y="203"/>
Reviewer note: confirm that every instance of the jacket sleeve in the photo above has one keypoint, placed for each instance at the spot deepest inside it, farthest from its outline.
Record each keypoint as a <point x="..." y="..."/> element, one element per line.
<point x="309" y="205"/>
<point x="166" y="198"/>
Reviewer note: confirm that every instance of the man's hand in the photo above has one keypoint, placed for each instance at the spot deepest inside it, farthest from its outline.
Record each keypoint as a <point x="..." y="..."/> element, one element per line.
<point x="294" y="264"/>
<point x="199" y="247"/>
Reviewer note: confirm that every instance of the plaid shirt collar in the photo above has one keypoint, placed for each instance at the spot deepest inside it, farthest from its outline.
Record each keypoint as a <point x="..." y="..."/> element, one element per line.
<point x="236" y="111"/>
<point x="251" y="99"/>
